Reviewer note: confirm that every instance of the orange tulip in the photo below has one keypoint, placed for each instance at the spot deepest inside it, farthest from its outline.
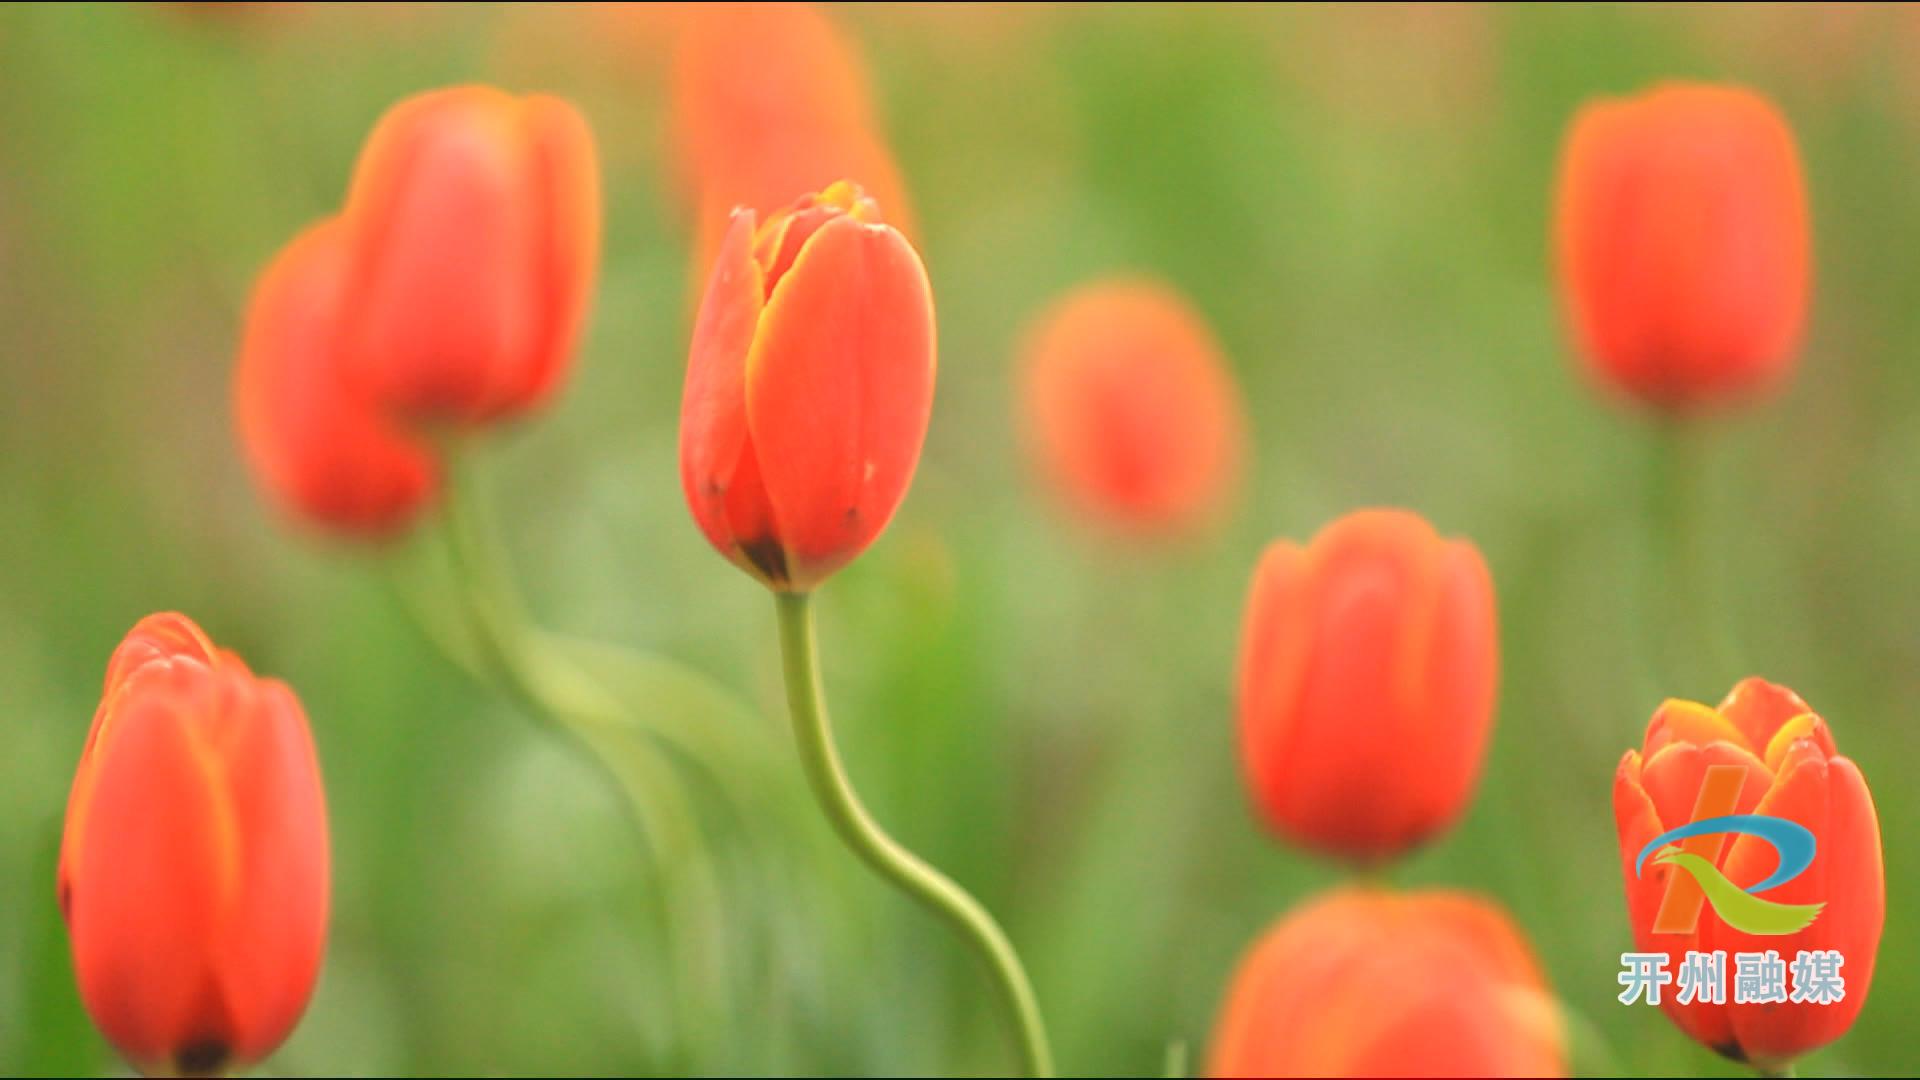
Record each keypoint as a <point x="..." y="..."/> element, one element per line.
<point x="770" y="103"/>
<point x="1683" y="244"/>
<point x="315" y="444"/>
<point x="193" y="871"/>
<point x="809" y="387"/>
<point x="1791" y="770"/>
<point x="1368" y="983"/>
<point x="1366" y="687"/>
<point x="450" y="290"/>
<point x="1131" y="409"/>
<point x="475" y="222"/>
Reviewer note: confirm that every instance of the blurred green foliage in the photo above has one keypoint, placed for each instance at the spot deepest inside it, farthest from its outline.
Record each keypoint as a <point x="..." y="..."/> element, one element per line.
<point x="1355" y="197"/>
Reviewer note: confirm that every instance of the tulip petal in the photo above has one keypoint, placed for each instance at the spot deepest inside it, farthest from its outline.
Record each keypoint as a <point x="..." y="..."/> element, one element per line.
<point x="1830" y="799"/>
<point x="566" y="173"/>
<point x="839" y="391"/>
<point x="317" y="447"/>
<point x="1461" y="676"/>
<point x="1678" y="721"/>
<point x="718" y="468"/>
<point x="154" y="869"/>
<point x="1672" y="777"/>
<point x="1759" y="708"/>
<point x="1275" y="639"/>
<point x="274" y="931"/>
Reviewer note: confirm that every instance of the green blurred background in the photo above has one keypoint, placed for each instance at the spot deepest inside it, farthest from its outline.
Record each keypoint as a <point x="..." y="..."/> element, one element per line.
<point x="1355" y="197"/>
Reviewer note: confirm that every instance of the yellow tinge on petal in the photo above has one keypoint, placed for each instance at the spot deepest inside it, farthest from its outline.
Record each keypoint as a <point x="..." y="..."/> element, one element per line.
<point x="1693" y="723"/>
<point x="1798" y="728"/>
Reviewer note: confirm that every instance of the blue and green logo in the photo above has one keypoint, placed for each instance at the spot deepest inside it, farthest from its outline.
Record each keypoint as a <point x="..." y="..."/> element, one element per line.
<point x="1739" y="907"/>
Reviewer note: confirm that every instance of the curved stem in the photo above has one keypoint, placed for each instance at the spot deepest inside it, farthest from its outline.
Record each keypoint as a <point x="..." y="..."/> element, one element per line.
<point x="813" y="733"/>
<point x="497" y="644"/>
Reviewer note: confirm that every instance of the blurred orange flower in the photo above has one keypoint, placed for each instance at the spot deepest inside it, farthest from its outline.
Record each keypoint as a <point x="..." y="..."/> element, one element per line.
<point x="1369" y="983"/>
<point x="193" y="870"/>
<point x="1131" y="409"/>
<point x="319" y="448"/>
<point x="809" y="387"/>
<point x="1683" y="244"/>
<point x="770" y="102"/>
<point x="475" y="221"/>
<point x="450" y="291"/>
<point x="1368" y="667"/>
<point x="1792" y="770"/>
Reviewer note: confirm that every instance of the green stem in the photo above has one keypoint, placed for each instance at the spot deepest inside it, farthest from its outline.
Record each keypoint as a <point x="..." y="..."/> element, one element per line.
<point x="828" y="777"/>
<point x="1786" y="1070"/>
<point x="1695" y="653"/>
<point x="497" y="644"/>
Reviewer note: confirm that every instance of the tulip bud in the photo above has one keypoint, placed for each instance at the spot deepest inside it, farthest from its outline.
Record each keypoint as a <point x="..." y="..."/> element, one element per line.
<point x="1366" y="688"/>
<point x="1368" y="983"/>
<point x="313" y="442"/>
<point x="1130" y="407"/>
<point x="809" y="386"/>
<point x="193" y="870"/>
<point x="475" y="222"/>
<point x="1786" y="765"/>
<point x="1683" y="244"/>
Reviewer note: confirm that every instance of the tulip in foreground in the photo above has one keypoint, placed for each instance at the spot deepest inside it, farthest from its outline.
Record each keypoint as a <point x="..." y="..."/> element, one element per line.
<point x="1368" y="667"/>
<point x="809" y="387"/>
<point x="1683" y="248"/>
<point x="475" y="228"/>
<point x="1370" y="983"/>
<point x="1763" y="751"/>
<point x="193" y="870"/>
<point x="1130" y="407"/>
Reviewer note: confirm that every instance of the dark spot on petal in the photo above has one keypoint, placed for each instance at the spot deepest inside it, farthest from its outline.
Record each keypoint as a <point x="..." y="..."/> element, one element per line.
<point x="66" y="901"/>
<point x="768" y="557"/>
<point x="201" y="1057"/>
<point x="1732" y="1052"/>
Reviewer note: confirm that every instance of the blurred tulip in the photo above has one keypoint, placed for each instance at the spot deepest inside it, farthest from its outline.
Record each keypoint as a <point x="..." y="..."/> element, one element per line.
<point x="770" y="103"/>
<point x="1131" y="409"/>
<point x="475" y="234"/>
<point x="315" y="445"/>
<point x="193" y="870"/>
<point x="1368" y="983"/>
<point x="1792" y="771"/>
<point x="809" y="387"/>
<point x="1683" y="244"/>
<point x="1368" y="667"/>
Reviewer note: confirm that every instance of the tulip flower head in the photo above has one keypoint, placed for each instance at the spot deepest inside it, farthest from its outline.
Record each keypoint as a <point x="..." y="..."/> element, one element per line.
<point x="1683" y="244"/>
<point x="1362" y="982"/>
<point x="1130" y="407"/>
<point x="1781" y="761"/>
<point x="450" y="292"/>
<point x="1368" y="666"/>
<point x="475" y="220"/>
<point x="809" y="387"/>
<point x="193" y="870"/>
